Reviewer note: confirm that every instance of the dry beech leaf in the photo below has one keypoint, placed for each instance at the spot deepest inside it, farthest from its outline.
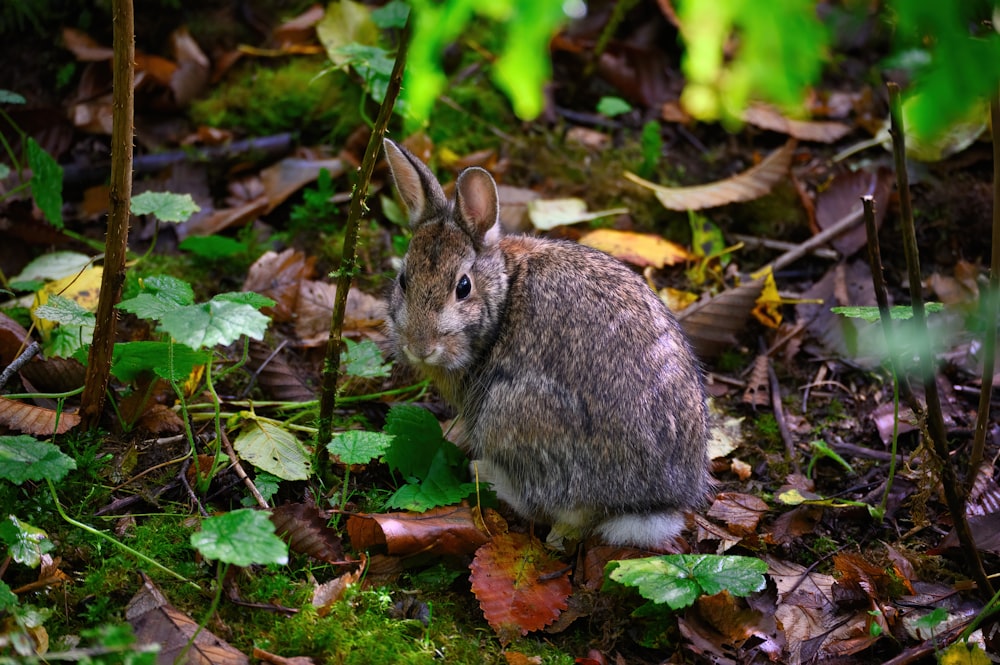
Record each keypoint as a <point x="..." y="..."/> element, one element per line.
<point x="328" y="593"/>
<point x="315" y="305"/>
<point x="448" y="530"/>
<point x="223" y="218"/>
<point x="292" y="174"/>
<point x="190" y="76"/>
<point x="843" y="197"/>
<point x="740" y="512"/>
<point x="35" y="420"/>
<point x="713" y="323"/>
<point x="641" y="249"/>
<point x="156" y="621"/>
<point x="518" y="658"/>
<point x="13" y="339"/>
<point x="274" y="659"/>
<point x="300" y="29"/>
<point x="520" y="586"/>
<point x="279" y="276"/>
<point x="767" y="117"/>
<point x="54" y="375"/>
<point x="752" y="184"/>
<point x="306" y="532"/>
<point x="160" y="420"/>
<point x="276" y="377"/>
<point x="758" y="391"/>
<point x="84" y="47"/>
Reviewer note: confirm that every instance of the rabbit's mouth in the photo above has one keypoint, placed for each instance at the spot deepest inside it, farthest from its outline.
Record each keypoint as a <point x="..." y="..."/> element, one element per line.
<point x="432" y="355"/>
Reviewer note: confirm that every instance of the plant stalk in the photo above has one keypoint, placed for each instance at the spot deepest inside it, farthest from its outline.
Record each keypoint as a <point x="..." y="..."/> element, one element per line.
<point x="954" y="496"/>
<point x="120" y="198"/>
<point x="349" y="262"/>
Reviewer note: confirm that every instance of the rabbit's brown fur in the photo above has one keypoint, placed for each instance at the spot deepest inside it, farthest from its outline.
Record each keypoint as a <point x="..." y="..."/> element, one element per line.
<point x="579" y="395"/>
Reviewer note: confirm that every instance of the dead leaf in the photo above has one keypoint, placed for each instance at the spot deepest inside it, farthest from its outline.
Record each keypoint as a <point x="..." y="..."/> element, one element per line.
<point x="291" y="174"/>
<point x="767" y="117"/>
<point x="84" y="47"/>
<point x="306" y="532"/>
<point x="448" y="530"/>
<point x="741" y="513"/>
<point x="279" y="277"/>
<point x="641" y="249"/>
<point x="13" y="339"/>
<point x="35" y="420"/>
<point x="328" y="593"/>
<point x="547" y="214"/>
<point x="518" y="658"/>
<point x="315" y="306"/>
<point x="276" y="377"/>
<point x="54" y="375"/>
<point x="300" y="29"/>
<point x="752" y="184"/>
<point x="190" y="77"/>
<point x="520" y="586"/>
<point x="842" y="197"/>
<point x="156" y="621"/>
<point x="274" y="659"/>
<point x="713" y="323"/>
<point x="758" y="390"/>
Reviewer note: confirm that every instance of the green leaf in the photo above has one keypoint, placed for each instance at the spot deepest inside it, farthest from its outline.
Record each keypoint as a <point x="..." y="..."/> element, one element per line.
<point x="8" y="97"/>
<point x="273" y="449"/>
<point x="66" y="312"/>
<point x="345" y="23"/>
<point x="679" y="579"/>
<point x="255" y="300"/>
<point x="215" y="323"/>
<point x="391" y="15"/>
<point x="67" y="341"/>
<point x="898" y="312"/>
<point x="8" y="599"/>
<point x="4" y="171"/>
<point x="46" y="182"/>
<point x="241" y="537"/>
<point x="358" y="447"/>
<point x="416" y="440"/>
<point x="612" y="106"/>
<point x="25" y="543"/>
<point x="160" y="295"/>
<point x="372" y="63"/>
<point x="440" y="487"/>
<point x="213" y="247"/>
<point x="363" y="359"/>
<point x="53" y="266"/>
<point x="26" y="458"/>
<point x="165" y="206"/>
<point x="173" y="362"/>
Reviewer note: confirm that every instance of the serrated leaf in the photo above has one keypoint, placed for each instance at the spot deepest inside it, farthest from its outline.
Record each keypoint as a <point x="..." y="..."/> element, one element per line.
<point x="273" y="449"/>
<point x="679" y="579"/>
<point x="897" y="312"/>
<point x="215" y="323"/>
<point x="26" y="458"/>
<point x="8" y="599"/>
<point x="160" y="295"/>
<point x="173" y="362"/>
<point x="46" y="182"/>
<point x="364" y="360"/>
<point x="440" y="486"/>
<point x="520" y="585"/>
<point x="26" y="544"/>
<point x="417" y="437"/>
<point x="241" y="537"/>
<point x="65" y="312"/>
<point x="165" y="206"/>
<point x="359" y="447"/>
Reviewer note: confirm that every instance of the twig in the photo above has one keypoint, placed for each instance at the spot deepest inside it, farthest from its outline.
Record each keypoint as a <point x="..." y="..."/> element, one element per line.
<point x="238" y="468"/>
<point x="990" y="331"/>
<point x="18" y="363"/>
<point x="779" y="416"/>
<point x="935" y="419"/>
<point x="120" y="199"/>
<point x="843" y="225"/>
<point x="751" y="242"/>
<point x="331" y="366"/>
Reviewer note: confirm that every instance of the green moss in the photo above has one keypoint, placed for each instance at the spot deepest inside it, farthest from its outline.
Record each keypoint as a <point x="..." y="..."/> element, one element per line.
<point x="301" y="95"/>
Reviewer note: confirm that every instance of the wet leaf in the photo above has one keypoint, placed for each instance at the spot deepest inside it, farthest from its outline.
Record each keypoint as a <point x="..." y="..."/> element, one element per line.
<point x="26" y="458"/>
<point x="363" y="359"/>
<point x="679" y="579"/>
<point x="520" y="586"/>
<point x="37" y="420"/>
<point x="273" y="449"/>
<point x="25" y="544"/>
<point x="752" y="184"/>
<point x="304" y="529"/>
<point x="444" y="531"/>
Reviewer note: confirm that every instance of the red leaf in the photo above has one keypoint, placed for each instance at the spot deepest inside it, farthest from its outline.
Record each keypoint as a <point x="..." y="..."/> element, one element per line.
<point x="520" y="585"/>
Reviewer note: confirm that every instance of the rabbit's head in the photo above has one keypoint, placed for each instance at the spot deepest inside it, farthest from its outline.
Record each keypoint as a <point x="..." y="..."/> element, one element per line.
<point x="447" y="298"/>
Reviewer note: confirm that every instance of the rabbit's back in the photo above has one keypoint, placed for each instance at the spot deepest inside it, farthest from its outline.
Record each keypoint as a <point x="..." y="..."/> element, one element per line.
<point x="589" y="396"/>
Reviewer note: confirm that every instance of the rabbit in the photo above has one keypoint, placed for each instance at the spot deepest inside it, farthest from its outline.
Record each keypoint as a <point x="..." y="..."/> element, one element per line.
<point x="580" y="398"/>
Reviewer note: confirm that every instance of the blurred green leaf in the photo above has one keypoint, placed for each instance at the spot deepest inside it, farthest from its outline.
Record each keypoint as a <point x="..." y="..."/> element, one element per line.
<point x="165" y="206"/>
<point x="25" y="543"/>
<point x="46" y="182"/>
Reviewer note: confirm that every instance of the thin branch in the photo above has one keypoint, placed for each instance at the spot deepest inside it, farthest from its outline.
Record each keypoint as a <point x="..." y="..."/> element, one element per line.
<point x="120" y="198"/>
<point x="991" y="311"/>
<point x="935" y="419"/>
<point x="348" y="265"/>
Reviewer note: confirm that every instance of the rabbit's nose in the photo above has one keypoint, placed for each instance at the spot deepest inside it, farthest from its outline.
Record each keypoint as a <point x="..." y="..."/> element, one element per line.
<point x="424" y="354"/>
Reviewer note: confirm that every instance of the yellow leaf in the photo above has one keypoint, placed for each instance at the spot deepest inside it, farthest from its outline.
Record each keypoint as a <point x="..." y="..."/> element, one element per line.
<point x="768" y="307"/>
<point x="963" y="653"/>
<point x="642" y="249"/>
<point x="83" y="288"/>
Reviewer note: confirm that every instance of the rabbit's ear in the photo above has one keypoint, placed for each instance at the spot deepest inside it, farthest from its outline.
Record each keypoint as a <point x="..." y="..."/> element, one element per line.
<point x="478" y="205"/>
<point x="417" y="186"/>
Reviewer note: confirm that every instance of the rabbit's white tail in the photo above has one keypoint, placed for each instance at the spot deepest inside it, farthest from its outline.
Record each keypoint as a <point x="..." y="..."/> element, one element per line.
<point x="648" y="531"/>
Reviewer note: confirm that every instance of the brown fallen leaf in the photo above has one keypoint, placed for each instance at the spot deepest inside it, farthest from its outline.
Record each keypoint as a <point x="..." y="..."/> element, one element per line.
<point x="291" y="174"/>
<point x="713" y="323"/>
<point x="448" y="530"/>
<point x="641" y="249"/>
<point x="156" y="621"/>
<point x="276" y="376"/>
<point x="13" y="339"/>
<point x="35" y="420"/>
<point x="275" y="659"/>
<point x="767" y="117"/>
<point x="740" y="512"/>
<point x="315" y="305"/>
<point x="306" y="532"/>
<point x="328" y="593"/>
<point x="54" y="375"/>
<point x="749" y="185"/>
<point x="520" y="586"/>
<point x="279" y="277"/>
<point x="842" y="197"/>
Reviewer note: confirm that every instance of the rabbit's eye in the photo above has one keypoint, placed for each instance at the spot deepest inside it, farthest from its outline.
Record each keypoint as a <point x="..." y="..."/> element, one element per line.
<point x="464" y="287"/>
<point x="402" y="282"/>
